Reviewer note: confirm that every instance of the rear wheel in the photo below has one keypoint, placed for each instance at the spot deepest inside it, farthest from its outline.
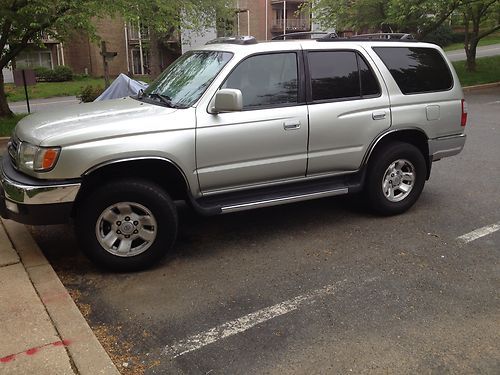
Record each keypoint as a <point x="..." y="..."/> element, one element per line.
<point x="395" y="178"/>
<point x="127" y="225"/>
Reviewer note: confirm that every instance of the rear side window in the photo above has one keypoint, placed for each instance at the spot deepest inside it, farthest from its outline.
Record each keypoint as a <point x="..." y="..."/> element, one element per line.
<point x="340" y="75"/>
<point x="416" y="69"/>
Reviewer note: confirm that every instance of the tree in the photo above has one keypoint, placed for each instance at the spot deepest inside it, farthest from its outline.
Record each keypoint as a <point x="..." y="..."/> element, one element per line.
<point x="418" y="17"/>
<point x="23" y="22"/>
<point x="481" y="18"/>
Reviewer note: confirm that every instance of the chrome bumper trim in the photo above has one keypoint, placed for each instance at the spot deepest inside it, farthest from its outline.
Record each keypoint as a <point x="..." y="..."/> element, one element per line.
<point x="446" y="146"/>
<point x="37" y="194"/>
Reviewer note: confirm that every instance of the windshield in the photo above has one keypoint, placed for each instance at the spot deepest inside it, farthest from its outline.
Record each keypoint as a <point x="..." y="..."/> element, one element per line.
<point x="183" y="82"/>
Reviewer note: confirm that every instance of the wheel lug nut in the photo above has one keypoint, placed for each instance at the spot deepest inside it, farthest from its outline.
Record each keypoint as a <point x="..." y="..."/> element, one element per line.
<point x="118" y="223"/>
<point x="127" y="236"/>
<point x="127" y="219"/>
<point x="136" y="231"/>
<point x="136" y="223"/>
<point x="118" y="232"/>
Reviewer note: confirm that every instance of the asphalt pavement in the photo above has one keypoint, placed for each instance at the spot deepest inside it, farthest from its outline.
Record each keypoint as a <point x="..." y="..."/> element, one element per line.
<point x="43" y="104"/>
<point x="319" y="287"/>
<point x="483" y="51"/>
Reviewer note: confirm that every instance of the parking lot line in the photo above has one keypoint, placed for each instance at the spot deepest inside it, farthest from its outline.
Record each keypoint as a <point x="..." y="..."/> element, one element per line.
<point x="246" y="322"/>
<point x="478" y="233"/>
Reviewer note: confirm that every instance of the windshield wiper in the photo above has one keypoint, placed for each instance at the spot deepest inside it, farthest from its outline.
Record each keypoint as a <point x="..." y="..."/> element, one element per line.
<point x="162" y="98"/>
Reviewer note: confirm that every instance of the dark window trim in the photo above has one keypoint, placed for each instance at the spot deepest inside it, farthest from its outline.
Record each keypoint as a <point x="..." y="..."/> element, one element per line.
<point x="358" y="54"/>
<point x="301" y="98"/>
<point x="418" y="92"/>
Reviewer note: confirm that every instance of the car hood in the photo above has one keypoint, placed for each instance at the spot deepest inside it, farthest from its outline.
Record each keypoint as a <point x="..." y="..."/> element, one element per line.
<point x="90" y="121"/>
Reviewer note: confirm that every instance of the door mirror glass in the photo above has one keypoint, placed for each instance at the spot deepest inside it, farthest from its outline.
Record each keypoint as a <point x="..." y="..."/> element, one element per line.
<point x="228" y="100"/>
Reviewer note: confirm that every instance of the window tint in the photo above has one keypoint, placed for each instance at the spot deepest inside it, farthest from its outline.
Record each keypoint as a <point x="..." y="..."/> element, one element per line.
<point x="416" y="69"/>
<point x="266" y="80"/>
<point x="340" y="74"/>
<point x="369" y="84"/>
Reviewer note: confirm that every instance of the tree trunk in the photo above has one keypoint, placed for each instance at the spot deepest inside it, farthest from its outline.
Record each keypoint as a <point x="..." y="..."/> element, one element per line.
<point x="470" y="52"/>
<point x="4" y="106"/>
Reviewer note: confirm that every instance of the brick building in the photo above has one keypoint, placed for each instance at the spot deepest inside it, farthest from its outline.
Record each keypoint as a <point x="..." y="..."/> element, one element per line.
<point x="140" y="51"/>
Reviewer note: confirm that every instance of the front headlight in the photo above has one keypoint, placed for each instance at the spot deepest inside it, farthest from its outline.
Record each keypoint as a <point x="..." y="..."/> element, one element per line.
<point x="38" y="159"/>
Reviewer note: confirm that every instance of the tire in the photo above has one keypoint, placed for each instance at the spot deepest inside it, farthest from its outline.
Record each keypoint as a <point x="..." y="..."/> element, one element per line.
<point x="398" y="167"/>
<point x="127" y="225"/>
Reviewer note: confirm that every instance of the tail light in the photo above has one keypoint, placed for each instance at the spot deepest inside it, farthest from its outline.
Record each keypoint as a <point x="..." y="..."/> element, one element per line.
<point x="463" y="120"/>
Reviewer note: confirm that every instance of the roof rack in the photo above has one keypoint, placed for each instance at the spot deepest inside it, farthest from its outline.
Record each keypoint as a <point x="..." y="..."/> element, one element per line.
<point x="243" y="40"/>
<point x="305" y="34"/>
<point x="400" y="36"/>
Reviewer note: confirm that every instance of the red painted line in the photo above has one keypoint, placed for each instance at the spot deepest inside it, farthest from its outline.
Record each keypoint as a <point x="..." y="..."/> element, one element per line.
<point x="33" y="351"/>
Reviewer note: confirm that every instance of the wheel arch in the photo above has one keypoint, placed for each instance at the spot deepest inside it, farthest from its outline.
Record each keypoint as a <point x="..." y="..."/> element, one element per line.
<point x="414" y="136"/>
<point x="163" y="172"/>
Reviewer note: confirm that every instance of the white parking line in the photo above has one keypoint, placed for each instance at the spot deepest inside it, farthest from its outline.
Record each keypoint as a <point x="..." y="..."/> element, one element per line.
<point x="478" y="233"/>
<point x="245" y="322"/>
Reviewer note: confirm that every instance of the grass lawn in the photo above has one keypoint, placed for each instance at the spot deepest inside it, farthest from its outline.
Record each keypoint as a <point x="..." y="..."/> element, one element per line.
<point x="489" y="40"/>
<point x="50" y="89"/>
<point x="7" y="124"/>
<point x="44" y="90"/>
<point x="487" y="71"/>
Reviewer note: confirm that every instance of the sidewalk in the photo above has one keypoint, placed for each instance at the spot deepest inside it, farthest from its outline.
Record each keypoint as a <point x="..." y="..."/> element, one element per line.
<point x="42" y="330"/>
<point x="43" y="104"/>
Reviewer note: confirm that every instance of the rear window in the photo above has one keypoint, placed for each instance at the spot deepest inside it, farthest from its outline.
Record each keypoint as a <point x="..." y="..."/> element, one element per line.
<point x="416" y="69"/>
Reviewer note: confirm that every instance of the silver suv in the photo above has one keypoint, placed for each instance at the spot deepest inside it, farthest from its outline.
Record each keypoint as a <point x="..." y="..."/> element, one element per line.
<point x="232" y="126"/>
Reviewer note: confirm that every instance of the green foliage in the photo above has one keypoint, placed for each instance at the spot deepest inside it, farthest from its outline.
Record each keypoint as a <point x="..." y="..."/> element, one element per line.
<point x="89" y="93"/>
<point x="59" y="74"/>
<point x="419" y="18"/>
<point x="442" y="36"/>
<point x="7" y="124"/>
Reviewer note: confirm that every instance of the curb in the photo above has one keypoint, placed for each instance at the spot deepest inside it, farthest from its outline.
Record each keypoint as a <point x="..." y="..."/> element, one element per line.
<point x="86" y="352"/>
<point x="480" y="87"/>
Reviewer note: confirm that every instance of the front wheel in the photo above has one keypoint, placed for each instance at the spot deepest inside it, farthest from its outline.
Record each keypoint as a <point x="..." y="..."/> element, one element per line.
<point x="395" y="178"/>
<point x="127" y="225"/>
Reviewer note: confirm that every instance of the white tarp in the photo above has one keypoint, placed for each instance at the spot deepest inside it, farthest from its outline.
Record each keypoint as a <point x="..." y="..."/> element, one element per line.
<point x="122" y="86"/>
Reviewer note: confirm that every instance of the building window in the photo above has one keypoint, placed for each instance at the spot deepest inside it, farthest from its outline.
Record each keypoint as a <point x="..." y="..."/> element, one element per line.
<point x="33" y="59"/>
<point x="136" y="61"/>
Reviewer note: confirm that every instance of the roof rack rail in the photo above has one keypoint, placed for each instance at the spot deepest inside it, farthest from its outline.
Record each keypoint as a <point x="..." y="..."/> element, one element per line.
<point x="305" y="34"/>
<point x="400" y="36"/>
<point x="243" y="40"/>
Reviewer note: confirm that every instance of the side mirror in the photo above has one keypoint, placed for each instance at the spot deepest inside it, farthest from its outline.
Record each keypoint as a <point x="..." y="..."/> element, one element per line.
<point x="228" y="100"/>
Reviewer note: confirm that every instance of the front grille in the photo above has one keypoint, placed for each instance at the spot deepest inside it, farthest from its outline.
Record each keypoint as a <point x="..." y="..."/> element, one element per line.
<point x="13" y="148"/>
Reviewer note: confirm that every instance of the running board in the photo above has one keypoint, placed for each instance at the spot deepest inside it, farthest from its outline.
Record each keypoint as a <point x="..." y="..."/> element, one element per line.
<point x="282" y="200"/>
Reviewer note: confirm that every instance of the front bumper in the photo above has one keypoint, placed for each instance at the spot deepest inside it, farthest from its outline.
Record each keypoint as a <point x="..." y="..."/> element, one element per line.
<point x="32" y="201"/>
<point x="446" y="146"/>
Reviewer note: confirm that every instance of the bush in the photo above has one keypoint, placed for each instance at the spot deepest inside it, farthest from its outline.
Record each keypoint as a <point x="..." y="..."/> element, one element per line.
<point x="60" y="73"/>
<point x="89" y="93"/>
<point x="442" y="36"/>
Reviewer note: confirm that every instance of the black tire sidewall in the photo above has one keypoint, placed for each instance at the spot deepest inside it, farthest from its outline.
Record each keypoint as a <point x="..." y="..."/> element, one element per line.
<point x="145" y="193"/>
<point x="377" y="168"/>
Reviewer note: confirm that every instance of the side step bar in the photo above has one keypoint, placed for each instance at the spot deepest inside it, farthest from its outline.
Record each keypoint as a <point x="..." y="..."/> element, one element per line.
<point x="282" y="200"/>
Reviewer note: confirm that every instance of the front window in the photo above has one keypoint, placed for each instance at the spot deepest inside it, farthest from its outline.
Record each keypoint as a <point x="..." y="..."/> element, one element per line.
<point x="183" y="82"/>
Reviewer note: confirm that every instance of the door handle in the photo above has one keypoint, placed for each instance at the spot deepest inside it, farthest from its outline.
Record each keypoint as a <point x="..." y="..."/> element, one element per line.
<point x="378" y="115"/>
<point x="291" y="125"/>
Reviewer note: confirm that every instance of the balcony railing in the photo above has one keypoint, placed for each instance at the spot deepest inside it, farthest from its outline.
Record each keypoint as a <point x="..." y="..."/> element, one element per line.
<point x="297" y="24"/>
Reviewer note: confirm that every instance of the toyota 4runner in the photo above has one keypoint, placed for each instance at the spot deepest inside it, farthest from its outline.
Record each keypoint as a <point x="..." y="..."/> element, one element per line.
<point x="236" y="125"/>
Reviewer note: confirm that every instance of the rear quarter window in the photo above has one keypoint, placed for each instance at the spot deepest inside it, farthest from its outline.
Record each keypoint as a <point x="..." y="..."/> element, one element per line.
<point x="416" y="69"/>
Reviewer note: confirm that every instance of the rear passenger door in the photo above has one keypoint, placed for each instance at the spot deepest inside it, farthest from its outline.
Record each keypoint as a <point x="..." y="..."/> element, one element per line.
<point x="348" y="107"/>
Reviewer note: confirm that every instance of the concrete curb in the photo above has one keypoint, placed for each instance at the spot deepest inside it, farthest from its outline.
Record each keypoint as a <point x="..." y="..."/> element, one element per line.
<point x="481" y="87"/>
<point x="85" y="351"/>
